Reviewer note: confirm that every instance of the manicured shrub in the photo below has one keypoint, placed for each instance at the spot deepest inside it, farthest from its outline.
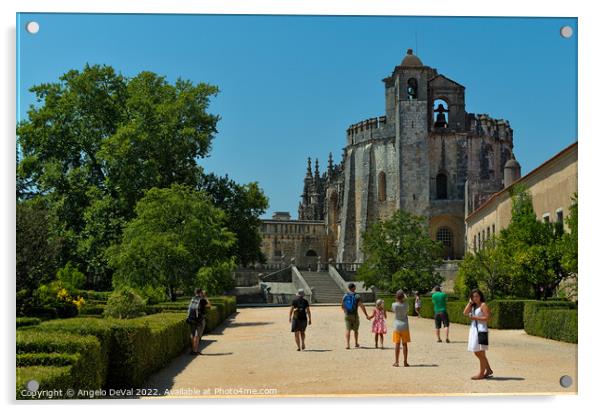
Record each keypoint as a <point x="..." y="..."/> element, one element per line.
<point x="46" y="359"/>
<point x="87" y="366"/>
<point x="130" y="349"/>
<point x="91" y="309"/>
<point x="507" y="314"/>
<point x="97" y="327"/>
<point x="49" y="378"/>
<point x="125" y="303"/>
<point x="537" y="325"/>
<point x="94" y="295"/>
<point x="27" y="321"/>
<point x="556" y="324"/>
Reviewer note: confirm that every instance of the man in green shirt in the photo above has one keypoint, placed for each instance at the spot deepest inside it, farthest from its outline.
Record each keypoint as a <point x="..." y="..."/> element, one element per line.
<point x="440" y="306"/>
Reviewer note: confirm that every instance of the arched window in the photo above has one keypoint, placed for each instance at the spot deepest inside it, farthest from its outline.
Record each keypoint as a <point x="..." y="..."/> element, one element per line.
<point x="440" y="111"/>
<point x="311" y="253"/>
<point x="446" y="236"/>
<point x="441" y="186"/>
<point x="412" y="89"/>
<point x="382" y="186"/>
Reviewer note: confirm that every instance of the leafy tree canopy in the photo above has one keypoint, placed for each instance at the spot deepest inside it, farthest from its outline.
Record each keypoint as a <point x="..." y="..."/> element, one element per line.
<point x="400" y="254"/>
<point x="176" y="232"/>
<point x="97" y="141"/>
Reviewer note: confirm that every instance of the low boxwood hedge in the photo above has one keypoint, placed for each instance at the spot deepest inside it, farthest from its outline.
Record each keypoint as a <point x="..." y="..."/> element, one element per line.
<point x="92" y="309"/>
<point x="131" y="349"/>
<point x="27" y="321"/>
<point x="49" y="378"/>
<point x="556" y="324"/>
<point x="538" y="324"/>
<point x="87" y="361"/>
<point x="505" y="314"/>
<point x="94" y="295"/>
<point x="46" y="359"/>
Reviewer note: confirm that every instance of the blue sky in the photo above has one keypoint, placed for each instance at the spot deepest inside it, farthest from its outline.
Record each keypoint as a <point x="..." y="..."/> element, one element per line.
<point x="291" y="85"/>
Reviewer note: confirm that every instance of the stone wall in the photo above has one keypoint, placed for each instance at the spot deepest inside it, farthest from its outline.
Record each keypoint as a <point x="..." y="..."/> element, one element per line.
<point x="305" y="241"/>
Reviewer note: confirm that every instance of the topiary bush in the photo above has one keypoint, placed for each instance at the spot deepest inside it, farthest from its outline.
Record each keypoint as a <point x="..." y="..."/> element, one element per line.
<point x="46" y="359"/>
<point x="129" y="350"/>
<point x="85" y="351"/>
<point x="556" y="324"/>
<point x="92" y="309"/>
<point x="125" y="303"/>
<point x="542" y="325"/>
<point x="27" y="321"/>
<point x="50" y="378"/>
<point x="94" y="295"/>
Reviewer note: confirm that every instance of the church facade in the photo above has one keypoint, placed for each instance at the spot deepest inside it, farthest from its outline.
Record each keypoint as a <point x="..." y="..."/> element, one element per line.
<point x="425" y="155"/>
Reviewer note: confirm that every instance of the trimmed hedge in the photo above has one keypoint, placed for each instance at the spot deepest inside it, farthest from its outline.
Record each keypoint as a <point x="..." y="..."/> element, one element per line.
<point x="556" y="320"/>
<point x="85" y="351"/>
<point x="92" y="309"/>
<point x="94" y="295"/>
<point x="49" y="378"/>
<point x="46" y="359"/>
<point x="27" y="321"/>
<point x="505" y="314"/>
<point x="128" y="350"/>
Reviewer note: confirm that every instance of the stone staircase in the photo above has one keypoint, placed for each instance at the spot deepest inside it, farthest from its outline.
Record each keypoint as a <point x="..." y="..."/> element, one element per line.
<point x="325" y="290"/>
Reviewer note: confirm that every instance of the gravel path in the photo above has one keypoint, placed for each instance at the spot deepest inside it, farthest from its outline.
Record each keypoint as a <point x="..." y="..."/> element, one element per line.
<point x="254" y="351"/>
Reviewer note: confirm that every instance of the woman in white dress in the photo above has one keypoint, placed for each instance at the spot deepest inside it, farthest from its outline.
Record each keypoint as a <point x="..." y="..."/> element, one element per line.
<point x="478" y="312"/>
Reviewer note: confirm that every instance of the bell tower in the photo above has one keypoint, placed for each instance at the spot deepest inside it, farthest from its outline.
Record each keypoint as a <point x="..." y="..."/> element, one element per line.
<point x="407" y="104"/>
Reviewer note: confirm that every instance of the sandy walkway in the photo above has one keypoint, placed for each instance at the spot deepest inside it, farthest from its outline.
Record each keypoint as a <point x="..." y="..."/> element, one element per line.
<point x="255" y="351"/>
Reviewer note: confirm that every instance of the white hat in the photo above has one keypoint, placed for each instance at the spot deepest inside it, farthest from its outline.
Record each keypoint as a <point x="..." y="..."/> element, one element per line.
<point x="301" y="292"/>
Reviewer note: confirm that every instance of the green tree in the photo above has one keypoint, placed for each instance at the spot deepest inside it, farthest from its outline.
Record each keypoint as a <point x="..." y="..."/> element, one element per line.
<point x="534" y="250"/>
<point x="37" y="249"/>
<point x="176" y="233"/>
<point x="399" y="253"/>
<point x="243" y="205"/>
<point x="570" y="240"/>
<point x="488" y="269"/>
<point x="97" y="141"/>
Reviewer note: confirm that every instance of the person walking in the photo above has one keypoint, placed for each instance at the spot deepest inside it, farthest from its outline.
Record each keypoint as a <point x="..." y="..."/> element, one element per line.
<point x="417" y="303"/>
<point x="401" y="334"/>
<point x="350" y="303"/>
<point x="196" y="319"/>
<point x="300" y="317"/>
<point x="379" y="327"/>
<point x="478" y="335"/>
<point x="439" y="299"/>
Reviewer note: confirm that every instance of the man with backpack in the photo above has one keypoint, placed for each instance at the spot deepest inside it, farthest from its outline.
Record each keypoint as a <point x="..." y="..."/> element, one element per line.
<point x="351" y="301"/>
<point x="196" y="319"/>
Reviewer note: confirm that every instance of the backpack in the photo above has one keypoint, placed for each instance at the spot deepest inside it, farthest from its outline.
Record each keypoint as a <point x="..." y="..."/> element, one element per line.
<point x="194" y="310"/>
<point x="300" y="311"/>
<point x="350" y="303"/>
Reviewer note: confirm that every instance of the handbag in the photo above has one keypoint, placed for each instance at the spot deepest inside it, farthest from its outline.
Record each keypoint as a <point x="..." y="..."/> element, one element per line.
<point x="483" y="336"/>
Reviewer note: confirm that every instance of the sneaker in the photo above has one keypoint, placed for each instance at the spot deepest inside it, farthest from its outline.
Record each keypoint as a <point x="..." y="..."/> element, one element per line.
<point x="439" y="341"/>
<point x="447" y="340"/>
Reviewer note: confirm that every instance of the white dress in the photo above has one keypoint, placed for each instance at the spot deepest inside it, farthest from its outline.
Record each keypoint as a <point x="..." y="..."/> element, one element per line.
<point x="476" y="326"/>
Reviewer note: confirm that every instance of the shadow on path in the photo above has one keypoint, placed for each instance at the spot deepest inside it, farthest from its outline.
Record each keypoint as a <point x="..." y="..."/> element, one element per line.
<point x="316" y="350"/>
<point x="230" y="322"/>
<point x="164" y="378"/>
<point x="505" y="378"/>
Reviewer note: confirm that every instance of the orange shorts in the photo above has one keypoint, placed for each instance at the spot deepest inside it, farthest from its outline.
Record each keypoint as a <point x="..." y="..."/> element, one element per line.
<point x="401" y="336"/>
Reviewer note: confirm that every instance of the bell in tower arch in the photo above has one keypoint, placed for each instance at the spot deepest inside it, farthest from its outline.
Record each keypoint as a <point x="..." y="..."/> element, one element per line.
<point x="441" y="120"/>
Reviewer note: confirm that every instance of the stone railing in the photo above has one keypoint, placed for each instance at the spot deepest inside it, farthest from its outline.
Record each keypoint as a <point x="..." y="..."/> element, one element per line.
<point x="283" y="275"/>
<point x="336" y="277"/>
<point x="299" y="282"/>
<point x="368" y="294"/>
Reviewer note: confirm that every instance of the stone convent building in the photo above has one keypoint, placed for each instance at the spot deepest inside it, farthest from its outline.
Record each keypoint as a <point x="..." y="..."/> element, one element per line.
<point x="425" y="155"/>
